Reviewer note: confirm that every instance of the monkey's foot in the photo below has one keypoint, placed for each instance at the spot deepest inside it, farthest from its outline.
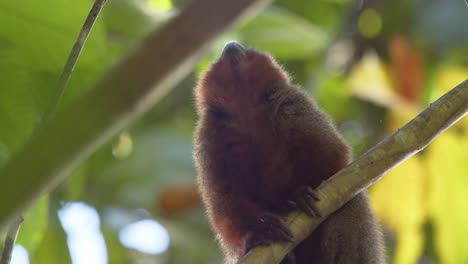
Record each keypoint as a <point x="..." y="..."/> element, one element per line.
<point x="269" y="228"/>
<point x="304" y="199"/>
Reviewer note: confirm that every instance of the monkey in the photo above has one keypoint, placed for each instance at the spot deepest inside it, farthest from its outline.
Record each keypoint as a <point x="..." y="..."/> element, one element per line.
<point x="261" y="147"/>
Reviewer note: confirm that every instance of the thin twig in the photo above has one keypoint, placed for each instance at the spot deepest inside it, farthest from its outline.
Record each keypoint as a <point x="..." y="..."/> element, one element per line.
<point x="10" y="239"/>
<point x="370" y="167"/>
<point x="72" y="59"/>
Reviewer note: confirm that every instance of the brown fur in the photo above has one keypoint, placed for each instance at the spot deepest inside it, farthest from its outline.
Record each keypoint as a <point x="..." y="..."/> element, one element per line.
<point x="259" y="141"/>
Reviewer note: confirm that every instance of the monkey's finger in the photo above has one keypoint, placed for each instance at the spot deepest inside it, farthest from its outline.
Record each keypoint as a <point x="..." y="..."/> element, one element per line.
<point x="282" y="234"/>
<point x="313" y="194"/>
<point x="276" y="225"/>
<point x="306" y="207"/>
<point x="312" y="206"/>
<point x="292" y="205"/>
<point x="309" y="206"/>
<point x="315" y="209"/>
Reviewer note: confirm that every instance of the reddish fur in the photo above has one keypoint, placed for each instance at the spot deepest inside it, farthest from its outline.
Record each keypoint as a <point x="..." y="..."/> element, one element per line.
<point x="253" y="155"/>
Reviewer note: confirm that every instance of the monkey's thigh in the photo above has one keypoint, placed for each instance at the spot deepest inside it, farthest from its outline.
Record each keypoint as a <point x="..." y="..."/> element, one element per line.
<point x="348" y="236"/>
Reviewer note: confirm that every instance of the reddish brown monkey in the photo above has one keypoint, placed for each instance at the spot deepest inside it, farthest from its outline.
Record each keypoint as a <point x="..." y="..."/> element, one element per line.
<point x="261" y="146"/>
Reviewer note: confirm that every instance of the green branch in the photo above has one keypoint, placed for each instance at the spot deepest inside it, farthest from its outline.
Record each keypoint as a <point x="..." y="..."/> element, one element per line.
<point x="370" y="167"/>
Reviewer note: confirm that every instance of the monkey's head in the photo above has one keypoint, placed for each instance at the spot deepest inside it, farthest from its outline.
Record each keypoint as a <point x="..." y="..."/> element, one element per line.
<point x="242" y="81"/>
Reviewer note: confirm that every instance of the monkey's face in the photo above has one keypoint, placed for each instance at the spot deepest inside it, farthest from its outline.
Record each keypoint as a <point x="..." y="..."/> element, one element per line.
<point x="243" y="83"/>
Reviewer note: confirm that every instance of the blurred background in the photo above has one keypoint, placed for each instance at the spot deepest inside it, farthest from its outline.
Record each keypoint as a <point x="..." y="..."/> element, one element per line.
<point x="372" y="65"/>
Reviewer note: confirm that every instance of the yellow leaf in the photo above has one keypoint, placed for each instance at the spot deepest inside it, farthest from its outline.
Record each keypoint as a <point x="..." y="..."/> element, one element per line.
<point x="447" y="163"/>
<point x="398" y="200"/>
<point x="369" y="80"/>
<point x="161" y="5"/>
<point x="449" y="76"/>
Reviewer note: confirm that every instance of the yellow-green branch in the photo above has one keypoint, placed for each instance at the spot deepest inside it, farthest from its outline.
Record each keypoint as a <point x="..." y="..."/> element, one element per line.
<point x="370" y="167"/>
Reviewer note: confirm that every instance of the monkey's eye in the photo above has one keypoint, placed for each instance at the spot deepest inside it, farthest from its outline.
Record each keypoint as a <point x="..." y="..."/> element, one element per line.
<point x="218" y="114"/>
<point x="266" y="95"/>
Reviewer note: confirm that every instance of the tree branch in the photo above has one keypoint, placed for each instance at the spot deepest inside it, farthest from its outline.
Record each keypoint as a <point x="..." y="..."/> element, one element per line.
<point x="370" y="167"/>
<point x="124" y="94"/>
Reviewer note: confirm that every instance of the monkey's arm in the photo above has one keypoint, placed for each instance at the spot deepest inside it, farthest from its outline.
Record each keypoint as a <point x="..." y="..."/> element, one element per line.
<point x="242" y="224"/>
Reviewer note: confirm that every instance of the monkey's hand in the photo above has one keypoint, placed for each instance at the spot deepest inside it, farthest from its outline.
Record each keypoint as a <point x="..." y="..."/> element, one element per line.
<point x="304" y="199"/>
<point x="268" y="228"/>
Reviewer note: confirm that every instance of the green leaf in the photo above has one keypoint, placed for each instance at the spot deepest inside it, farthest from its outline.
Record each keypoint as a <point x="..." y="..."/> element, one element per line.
<point x="53" y="248"/>
<point x="18" y="110"/>
<point x="130" y="20"/>
<point x="161" y="5"/>
<point x="283" y="34"/>
<point x="327" y="14"/>
<point x="116" y="251"/>
<point x="76" y="182"/>
<point x="33" y="55"/>
<point x="35" y="224"/>
<point x="3" y="153"/>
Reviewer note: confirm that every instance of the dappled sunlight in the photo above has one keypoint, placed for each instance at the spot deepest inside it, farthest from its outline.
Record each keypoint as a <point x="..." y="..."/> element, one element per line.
<point x="20" y="255"/>
<point x="147" y="236"/>
<point x="85" y="241"/>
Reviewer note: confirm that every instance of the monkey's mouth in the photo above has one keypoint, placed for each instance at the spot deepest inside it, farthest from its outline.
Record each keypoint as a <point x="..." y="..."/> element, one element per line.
<point x="233" y="51"/>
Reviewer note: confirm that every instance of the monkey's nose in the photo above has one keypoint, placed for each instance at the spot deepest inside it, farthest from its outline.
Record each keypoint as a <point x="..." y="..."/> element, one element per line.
<point x="233" y="49"/>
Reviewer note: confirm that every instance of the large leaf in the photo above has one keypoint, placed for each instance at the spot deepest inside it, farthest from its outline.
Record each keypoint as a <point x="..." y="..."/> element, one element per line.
<point x="447" y="162"/>
<point x="398" y="199"/>
<point x="283" y="34"/>
<point x="32" y="56"/>
<point x="35" y="224"/>
<point x="53" y="248"/>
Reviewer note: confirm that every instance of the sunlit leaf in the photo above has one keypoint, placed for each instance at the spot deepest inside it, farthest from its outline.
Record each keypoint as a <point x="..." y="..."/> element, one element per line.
<point x="35" y="224"/>
<point x="161" y="5"/>
<point x="283" y="34"/>
<point x="128" y="21"/>
<point x="325" y="13"/>
<point x="399" y="201"/>
<point x="76" y="182"/>
<point x="334" y="98"/>
<point x="369" y="80"/>
<point x="116" y="251"/>
<point x="53" y="247"/>
<point x="447" y="163"/>
<point x="18" y="111"/>
<point x="399" y="197"/>
<point x="33" y="55"/>
<point x="3" y="153"/>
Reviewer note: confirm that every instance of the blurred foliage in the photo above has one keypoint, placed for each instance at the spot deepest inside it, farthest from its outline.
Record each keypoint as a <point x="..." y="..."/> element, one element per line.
<point x="371" y="70"/>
